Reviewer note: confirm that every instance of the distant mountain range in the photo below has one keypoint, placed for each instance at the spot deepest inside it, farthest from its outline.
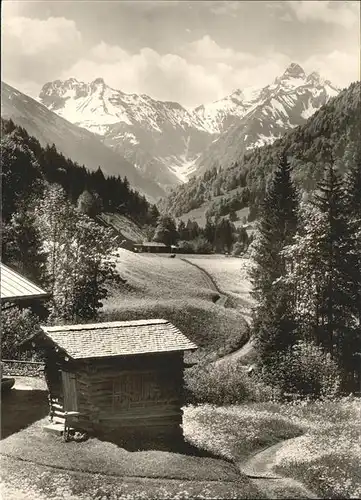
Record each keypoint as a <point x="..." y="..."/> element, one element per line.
<point x="242" y="179"/>
<point x="74" y="142"/>
<point x="169" y="143"/>
<point x="157" y="144"/>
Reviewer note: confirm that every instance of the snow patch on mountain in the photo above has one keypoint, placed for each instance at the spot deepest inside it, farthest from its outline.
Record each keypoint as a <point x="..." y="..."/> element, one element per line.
<point x="169" y="142"/>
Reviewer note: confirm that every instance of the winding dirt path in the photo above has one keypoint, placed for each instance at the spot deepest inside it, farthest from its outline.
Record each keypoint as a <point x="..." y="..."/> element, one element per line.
<point x="259" y="469"/>
<point x="221" y="301"/>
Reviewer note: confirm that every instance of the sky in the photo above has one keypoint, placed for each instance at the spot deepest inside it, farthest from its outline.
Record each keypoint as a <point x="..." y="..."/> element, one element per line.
<point x="185" y="51"/>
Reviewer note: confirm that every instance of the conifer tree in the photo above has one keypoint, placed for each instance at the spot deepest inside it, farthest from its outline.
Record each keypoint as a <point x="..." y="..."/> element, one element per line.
<point x="337" y="257"/>
<point x="182" y="230"/>
<point x="273" y="322"/>
<point x="323" y="274"/>
<point x="353" y="201"/>
<point x="209" y="231"/>
<point x="166" y="231"/>
<point x="153" y="215"/>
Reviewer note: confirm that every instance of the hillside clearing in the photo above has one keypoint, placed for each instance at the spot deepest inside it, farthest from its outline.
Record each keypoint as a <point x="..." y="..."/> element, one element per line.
<point x="124" y="225"/>
<point x="199" y="214"/>
<point x="231" y="275"/>
<point x="159" y="277"/>
<point x="159" y="287"/>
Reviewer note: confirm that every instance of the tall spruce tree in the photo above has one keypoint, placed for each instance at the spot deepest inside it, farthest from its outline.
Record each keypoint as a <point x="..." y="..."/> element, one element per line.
<point x="166" y="231"/>
<point x="323" y="274"/>
<point x="338" y="259"/>
<point x="353" y="201"/>
<point x="273" y="323"/>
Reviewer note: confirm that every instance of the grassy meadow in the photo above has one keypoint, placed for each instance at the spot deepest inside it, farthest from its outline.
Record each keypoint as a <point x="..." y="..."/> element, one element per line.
<point x="322" y="446"/>
<point x="231" y="274"/>
<point x="315" y="443"/>
<point x="160" y="287"/>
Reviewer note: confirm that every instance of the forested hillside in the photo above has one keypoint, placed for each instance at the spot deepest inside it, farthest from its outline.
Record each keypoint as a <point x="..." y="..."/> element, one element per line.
<point x="329" y="132"/>
<point x="26" y="166"/>
<point x="50" y="231"/>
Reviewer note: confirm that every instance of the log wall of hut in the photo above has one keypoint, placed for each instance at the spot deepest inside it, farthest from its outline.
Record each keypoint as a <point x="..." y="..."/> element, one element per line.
<point x="127" y="395"/>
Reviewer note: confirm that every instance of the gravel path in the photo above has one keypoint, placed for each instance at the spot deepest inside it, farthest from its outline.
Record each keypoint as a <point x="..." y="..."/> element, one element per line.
<point x="244" y="350"/>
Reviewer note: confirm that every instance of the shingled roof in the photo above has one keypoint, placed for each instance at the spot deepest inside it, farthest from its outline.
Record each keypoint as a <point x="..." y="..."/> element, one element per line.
<point x="15" y="287"/>
<point x="118" y="338"/>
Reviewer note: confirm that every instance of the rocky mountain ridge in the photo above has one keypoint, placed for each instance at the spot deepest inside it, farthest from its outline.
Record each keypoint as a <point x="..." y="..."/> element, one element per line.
<point x="169" y="143"/>
<point x="80" y="145"/>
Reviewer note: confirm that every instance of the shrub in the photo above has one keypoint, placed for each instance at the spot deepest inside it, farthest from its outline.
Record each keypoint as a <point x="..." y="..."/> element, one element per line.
<point x="224" y="384"/>
<point x="239" y="248"/>
<point x="17" y="325"/>
<point x="307" y="370"/>
<point x="185" y="247"/>
<point x="201" y="245"/>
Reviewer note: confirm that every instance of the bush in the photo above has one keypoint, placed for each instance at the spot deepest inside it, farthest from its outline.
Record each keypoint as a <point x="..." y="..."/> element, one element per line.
<point x="17" y="325"/>
<point x="239" y="249"/>
<point x="185" y="247"/>
<point x="307" y="370"/>
<point x="201" y="245"/>
<point x="224" y="384"/>
<point x="198" y="245"/>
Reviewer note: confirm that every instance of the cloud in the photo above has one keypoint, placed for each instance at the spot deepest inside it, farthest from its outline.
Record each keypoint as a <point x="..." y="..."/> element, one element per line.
<point x="207" y="49"/>
<point x="225" y="8"/>
<point x="342" y="13"/>
<point x="36" y="51"/>
<point x="341" y="68"/>
<point x="162" y="76"/>
<point x="286" y="17"/>
<point x="202" y="71"/>
<point x="212" y="72"/>
<point x="38" y="47"/>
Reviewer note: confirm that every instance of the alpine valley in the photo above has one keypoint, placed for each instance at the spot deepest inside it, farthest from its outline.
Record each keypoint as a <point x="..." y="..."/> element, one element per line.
<point x="168" y="143"/>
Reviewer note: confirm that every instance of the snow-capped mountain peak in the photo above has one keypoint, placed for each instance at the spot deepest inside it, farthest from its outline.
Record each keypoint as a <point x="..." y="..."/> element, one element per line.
<point x="294" y="70"/>
<point x="169" y="142"/>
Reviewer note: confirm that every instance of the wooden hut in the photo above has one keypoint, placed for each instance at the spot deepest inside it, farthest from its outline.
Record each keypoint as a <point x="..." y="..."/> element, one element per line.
<point x="120" y="377"/>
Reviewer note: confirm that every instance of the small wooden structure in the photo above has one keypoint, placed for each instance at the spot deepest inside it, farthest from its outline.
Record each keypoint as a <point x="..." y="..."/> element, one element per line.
<point x="120" y="377"/>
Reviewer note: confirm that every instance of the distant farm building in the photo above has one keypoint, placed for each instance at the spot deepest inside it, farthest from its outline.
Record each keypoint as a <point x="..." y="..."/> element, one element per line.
<point x="120" y="378"/>
<point x="152" y="246"/>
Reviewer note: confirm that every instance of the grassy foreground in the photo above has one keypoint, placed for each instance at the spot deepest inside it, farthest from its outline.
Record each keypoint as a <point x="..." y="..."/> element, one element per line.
<point x="326" y="456"/>
<point x="36" y="465"/>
